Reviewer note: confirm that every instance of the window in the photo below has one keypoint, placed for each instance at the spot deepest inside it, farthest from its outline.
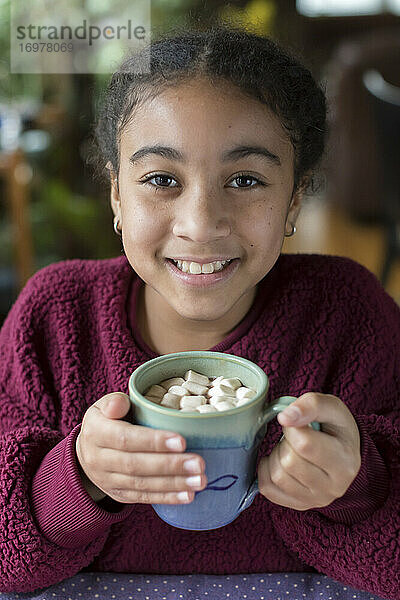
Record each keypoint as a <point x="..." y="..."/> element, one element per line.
<point x="342" y="8"/>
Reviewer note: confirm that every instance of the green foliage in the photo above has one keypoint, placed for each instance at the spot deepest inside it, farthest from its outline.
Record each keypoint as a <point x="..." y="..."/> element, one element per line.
<point x="67" y="225"/>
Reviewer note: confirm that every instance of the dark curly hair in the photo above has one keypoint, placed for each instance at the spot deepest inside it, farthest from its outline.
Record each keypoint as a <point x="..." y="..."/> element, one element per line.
<point x="258" y="66"/>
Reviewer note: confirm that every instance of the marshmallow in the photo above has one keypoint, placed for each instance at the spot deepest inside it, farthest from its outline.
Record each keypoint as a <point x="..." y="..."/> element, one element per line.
<point x="216" y="380"/>
<point x="197" y="393"/>
<point x="224" y="405"/>
<point x="196" y="377"/>
<point x="156" y="390"/>
<point x="220" y="390"/>
<point x="241" y="401"/>
<point x="178" y="390"/>
<point x="167" y="383"/>
<point x="245" y="392"/>
<point x="155" y="399"/>
<point x="234" y="383"/>
<point x="171" y="400"/>
<point x="193" y="401"/>
<point x="195" y="388"/>
<point x="206" y="408"/>
<point x="214" y="400"/>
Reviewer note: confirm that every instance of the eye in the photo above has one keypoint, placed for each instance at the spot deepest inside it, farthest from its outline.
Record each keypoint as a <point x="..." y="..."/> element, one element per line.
<point x="246" y="177"/>
<point x="161" y="181"/>
<point x="161" y="178"/>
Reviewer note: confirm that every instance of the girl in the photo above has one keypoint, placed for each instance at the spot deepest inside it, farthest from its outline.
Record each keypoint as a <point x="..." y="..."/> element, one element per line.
<point x="209" y="153"/>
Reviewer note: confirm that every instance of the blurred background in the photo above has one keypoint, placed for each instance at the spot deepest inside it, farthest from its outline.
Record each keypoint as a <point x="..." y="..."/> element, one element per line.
<point x="52" y="208"/>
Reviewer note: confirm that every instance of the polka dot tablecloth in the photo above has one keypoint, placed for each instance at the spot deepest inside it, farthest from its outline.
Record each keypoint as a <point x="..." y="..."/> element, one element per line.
<point x="255" y="586"/>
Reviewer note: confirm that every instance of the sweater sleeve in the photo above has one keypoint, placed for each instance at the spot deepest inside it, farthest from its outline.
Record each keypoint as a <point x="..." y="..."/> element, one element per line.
<point x="64" y="511"/>
<point x="33" y="558"/>
<point x="354" y="540"/>
<point x="370" y="487"/>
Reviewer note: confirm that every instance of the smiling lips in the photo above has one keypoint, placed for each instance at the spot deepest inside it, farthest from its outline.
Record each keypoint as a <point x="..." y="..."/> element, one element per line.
<point x="203" y="274"/>
<point x="196" y="268"/>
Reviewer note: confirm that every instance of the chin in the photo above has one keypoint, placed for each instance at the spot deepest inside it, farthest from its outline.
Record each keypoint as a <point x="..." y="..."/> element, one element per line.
<point x="201" y="313"/>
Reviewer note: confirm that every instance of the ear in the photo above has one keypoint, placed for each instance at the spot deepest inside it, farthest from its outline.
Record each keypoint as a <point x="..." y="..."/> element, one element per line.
<point x="294" y="207"/>
<point x="297" y="201"/>
<point x="115" y="199"/>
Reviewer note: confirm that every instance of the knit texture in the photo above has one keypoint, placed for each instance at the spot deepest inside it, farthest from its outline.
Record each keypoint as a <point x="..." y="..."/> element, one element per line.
<point x="318" y="323"/>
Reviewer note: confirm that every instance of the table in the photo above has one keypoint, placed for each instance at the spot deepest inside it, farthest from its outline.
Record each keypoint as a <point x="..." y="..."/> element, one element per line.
<point x="254" y="586"/>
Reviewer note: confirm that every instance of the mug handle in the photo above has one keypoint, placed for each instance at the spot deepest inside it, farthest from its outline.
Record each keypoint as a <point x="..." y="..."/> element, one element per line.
<point x="270" y="411"/>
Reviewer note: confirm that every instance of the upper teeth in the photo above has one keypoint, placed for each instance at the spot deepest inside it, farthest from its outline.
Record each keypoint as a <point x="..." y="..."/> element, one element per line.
<point x="197" y="268"/>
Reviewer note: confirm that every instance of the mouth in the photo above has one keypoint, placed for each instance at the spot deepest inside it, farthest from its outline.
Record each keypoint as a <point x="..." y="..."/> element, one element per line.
<point x="195" y="268"/>
<point x="196" y="274"/>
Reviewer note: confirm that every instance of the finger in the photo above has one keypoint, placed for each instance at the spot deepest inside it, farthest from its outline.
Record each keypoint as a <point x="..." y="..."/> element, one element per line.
<point x="115" y="405"/>
<point x="274" y="493"/>
<point x="127" y="437"/>
<point x="318" y="449"/>
<point x="146" y="464"/>
<point x="299" y="469"/>
<point x="115" y="481"/>
<point x="328" y="410"/>
<point x="284" y="481"/>
<point x="133" y="497"/>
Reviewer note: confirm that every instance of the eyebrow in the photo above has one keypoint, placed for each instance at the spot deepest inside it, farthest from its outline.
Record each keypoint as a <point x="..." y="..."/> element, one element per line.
<point x="229" y="155"/>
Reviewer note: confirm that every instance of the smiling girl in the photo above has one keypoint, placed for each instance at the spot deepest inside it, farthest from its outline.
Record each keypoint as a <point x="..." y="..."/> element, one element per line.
<point x="213" y="181"/>
<point x="208" y="153"/>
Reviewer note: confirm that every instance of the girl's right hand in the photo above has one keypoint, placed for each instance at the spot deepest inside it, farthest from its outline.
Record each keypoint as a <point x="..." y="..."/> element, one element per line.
<point x="131" y="463"/>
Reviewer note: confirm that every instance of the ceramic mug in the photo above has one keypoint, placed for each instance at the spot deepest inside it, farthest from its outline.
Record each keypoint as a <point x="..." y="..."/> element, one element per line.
<point x="227" y="440"/>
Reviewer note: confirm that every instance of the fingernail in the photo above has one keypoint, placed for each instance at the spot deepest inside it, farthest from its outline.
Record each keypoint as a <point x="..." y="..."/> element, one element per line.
<point x="194" y="481"/>
<point x="174" y="443"/>
<point x="292" y="412"/>
<point x="192" y="466"/>
<point x="184" y="496"/>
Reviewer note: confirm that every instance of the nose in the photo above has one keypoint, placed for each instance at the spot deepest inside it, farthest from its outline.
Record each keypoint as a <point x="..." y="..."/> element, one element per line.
<point x="200" y="216"/>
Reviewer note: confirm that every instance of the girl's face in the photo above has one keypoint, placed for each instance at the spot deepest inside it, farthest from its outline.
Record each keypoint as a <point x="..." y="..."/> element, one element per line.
<point x="219" y="188"/>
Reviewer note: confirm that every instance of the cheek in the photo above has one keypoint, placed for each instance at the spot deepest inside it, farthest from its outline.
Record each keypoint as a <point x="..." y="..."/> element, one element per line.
<point x="142" y="225"/>
<point x="267" y="229"/>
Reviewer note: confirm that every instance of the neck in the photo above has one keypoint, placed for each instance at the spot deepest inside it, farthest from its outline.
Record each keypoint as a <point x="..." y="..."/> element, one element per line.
<point x="167" y="332"/>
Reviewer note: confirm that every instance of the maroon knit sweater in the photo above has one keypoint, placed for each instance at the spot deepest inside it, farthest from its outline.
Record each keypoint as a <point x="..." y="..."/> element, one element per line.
<point x="318" y="323"/>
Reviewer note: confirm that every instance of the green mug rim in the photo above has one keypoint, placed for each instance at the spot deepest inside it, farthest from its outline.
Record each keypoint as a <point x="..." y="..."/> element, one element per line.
<point x="205" y="354"/>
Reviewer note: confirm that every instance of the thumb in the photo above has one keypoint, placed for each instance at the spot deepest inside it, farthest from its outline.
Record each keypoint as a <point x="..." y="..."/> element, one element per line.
<point x="328" y="410"/>
<point x="115" y="405"/>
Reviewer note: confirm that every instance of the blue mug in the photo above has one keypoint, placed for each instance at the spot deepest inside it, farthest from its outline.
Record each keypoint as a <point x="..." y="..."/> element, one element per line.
<point x="228" y="441"/>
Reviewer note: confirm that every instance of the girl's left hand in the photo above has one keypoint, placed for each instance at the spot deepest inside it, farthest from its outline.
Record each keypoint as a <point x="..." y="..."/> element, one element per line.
<point x="307" y="468"/>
